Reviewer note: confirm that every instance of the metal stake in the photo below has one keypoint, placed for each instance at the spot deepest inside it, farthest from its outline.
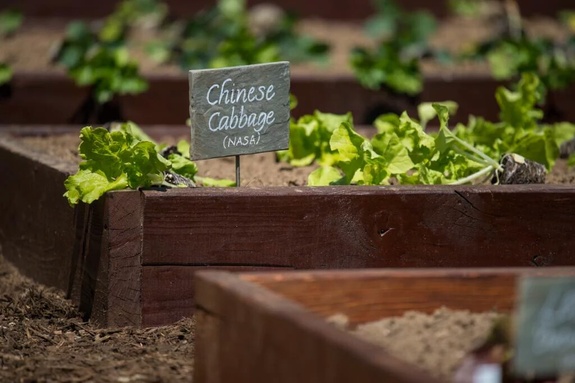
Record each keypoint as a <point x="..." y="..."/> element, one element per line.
<point x="237" y="171"/>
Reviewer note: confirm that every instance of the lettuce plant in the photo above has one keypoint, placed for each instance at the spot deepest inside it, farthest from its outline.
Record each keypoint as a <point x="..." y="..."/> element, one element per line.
<point x="402" y="40"/>
<point x="403" y="152"/>
<point x="513" y="52"/>
<point x="10" y="21"/>
<point x="120" y="159"/>
<point x="98" y="58"/>
<point x="221" y="36"/>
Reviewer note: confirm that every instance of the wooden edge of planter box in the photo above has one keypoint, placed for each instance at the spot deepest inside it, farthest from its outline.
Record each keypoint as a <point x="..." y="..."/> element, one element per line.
<point x="343" y="10"/>
<point x="262" y="327"/>
<point x="130" y="259"/>
<point x="52" y="98"/>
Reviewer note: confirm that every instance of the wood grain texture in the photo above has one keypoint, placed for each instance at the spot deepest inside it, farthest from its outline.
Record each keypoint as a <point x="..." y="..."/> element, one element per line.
<point x="270" y="326"/>
<point x="41" y="98"/>
<point x="167" y="292"/>
<point x="344" y="10"/>
<point x="249" y="334"/>
<point x="53" y="99"/>
<point x="121" y="255"/>
<point x="360" y="227"/>
<point x="368" y="295"/>
<point x="37" y="227"/>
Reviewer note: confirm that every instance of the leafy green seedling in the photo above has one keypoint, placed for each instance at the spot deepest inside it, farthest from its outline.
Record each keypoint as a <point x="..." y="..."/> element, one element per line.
<point x="402" y="40"/>
<point x="513" y="52"/>
<point x="119" y="159"/>
<point x="403" y="152"/>
<point x="10" y="21"/>
<point x="309" y="139"/>
<point x="5" y="73"/>
<point x="98" y="58"/>
<point x="126" y="157"/>
<point x="221" y="36"/>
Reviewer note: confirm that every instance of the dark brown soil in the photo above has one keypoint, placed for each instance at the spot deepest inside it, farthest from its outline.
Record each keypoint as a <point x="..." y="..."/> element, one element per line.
<point x="44" y="339"/>
<point x="257" y="170"/>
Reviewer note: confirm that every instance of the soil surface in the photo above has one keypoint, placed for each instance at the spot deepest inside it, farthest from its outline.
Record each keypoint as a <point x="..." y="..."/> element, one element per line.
<point x="32" y="47"/>
<point x="44" y="339"/>
<point x="256" y="170"/>
<point x="438" y="342"/>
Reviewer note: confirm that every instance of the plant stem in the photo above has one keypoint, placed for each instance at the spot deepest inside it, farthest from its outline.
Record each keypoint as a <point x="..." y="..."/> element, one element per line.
<point x="513" y="19"/>
<point x="465" y="180"/>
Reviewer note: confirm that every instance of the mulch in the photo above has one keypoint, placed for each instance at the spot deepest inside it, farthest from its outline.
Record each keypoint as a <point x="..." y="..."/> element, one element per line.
<point x="43" y="338"/>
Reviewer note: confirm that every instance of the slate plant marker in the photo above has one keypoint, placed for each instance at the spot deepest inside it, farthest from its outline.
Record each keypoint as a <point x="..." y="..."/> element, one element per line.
<point x="546" y="326"/>
<point x="239" y="110"/>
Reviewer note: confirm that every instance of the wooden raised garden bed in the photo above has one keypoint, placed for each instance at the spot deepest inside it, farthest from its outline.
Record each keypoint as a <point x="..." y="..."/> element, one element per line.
<point x="53" y="98"/>
<point x="261" y="327"/>
<point x="344" y="10"/>
<point x="41" y="93"/>
<point x="130" y="258"/>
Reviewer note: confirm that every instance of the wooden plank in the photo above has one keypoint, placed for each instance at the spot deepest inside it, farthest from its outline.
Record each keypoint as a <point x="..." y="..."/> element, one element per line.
<point x="359" y="227"/>
<point x="52" y="99"/>
<point x="368" y="295"/>
<point x="41" y="98"/>
<point x="159" y="302"/>
<point x="251" y="326"/>
<point x="246" y="103"/>
<point x="344" y="10"/>
<point x="249" y="334"/>
<point x="38" y="230"/>
<point x="118" y="277"/>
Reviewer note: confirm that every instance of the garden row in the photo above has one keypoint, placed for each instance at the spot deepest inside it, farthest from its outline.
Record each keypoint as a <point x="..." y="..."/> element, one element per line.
<point x="131" y="258"/>
<point x="344" y="10"/>
<point x="35" y="98"/>
<point x="368" y="81"/>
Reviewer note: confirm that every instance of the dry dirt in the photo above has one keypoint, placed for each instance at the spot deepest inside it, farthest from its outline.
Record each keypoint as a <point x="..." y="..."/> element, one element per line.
<point x="44" y="339"/>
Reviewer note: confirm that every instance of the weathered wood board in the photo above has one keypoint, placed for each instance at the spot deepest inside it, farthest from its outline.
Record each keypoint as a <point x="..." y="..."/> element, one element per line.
<point x="130" y="258"/>
<point x="53" y="99"/>
<point x="344" y="10"/>
<point x="262" y="327"/>
<point x="239" y="110"/>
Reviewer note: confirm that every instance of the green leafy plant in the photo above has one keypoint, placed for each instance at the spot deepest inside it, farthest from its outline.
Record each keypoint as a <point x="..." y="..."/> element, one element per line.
<point x="125" y="157"/>
<point x="520" y="129"/>
<point x="224" y="36"/>
<point x="10" y="21"/>
<point x="97" y="57"/>
<point x="403" y="152"/>
<point x="309" y="139"/>
<point x="120" y="159"/>
<point x="513" y="52"/>
<point x="402" y="40"/>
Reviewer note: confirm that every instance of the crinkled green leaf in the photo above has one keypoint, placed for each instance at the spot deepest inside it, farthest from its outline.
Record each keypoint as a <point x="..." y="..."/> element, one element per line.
<point x="5" y="73"/>
<point x="213" y="182"/>
<point x="309" y="139"/>
<point x="323" y="176"/>
<point x="88" y="186"/>
<point x="427" y="112"/>
<point x="393" y="153"/>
